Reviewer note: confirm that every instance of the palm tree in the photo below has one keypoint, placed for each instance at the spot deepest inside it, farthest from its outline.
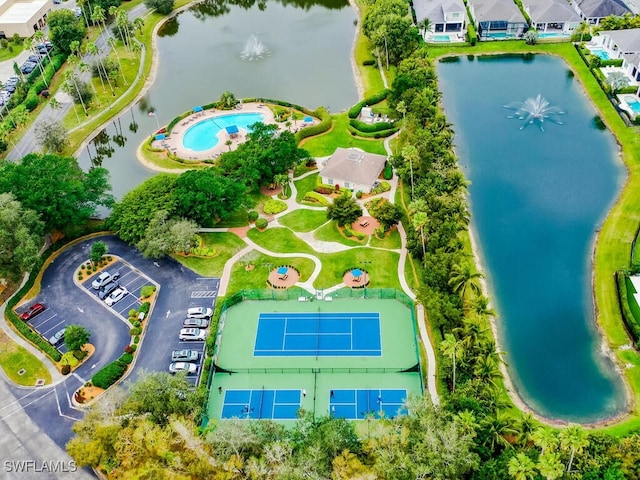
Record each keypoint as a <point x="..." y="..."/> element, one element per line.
<point x="487" y="370"/>
<point x="573" y="438"/>
<point x="122" y="21"/>
<point x="228" y="143"/>
<point x="550" y="466"/>
<point x="583" y="28"/>
<point x="410" y="153"/>
<point x="471" y="333"/>
<point x="281" y="180"/>
<point x="499" y="427"/>
<point x="452" y="347"/>
<point x="480" y="306"/>
<point x="463" y="278"/>
<point x="71" y="80"/>
<point x="467" y="421"/>
<point x="522" y="467"/>
<point x="98" y="16"/>
<point x="401" y="107"/>
<point x="545" y="438"/>
<point x="93" y="49"/>
<point x="112" y="43"/>
<point x="424" y="25"/>
<point x="31" y="45"/>
<point x="419" y="221"/>
<point x="138" y="23"/>
<point x="526" y="427"/>
<point x="39" y="37"/>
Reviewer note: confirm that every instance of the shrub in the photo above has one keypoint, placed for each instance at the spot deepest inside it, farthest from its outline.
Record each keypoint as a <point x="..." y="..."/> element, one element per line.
<point x="381" y="188"/>
<point x="388" y="172"/>
<point x="133" y="313"/>
<point x="372" y="100"/>
<point x="359" y="194"/>
<point x="129" y="349"/>
<point x="135" y="331"/>
<point x="147" y="290"/>
<point x="314" y="197"/>
<point x="126" y="358"/>
<point x="472" y="36"/>
<point x="252" y="215"/>
<point x="370" y="127"/>
<point x="323" y="126"/>
<point x="368" y="62"/>
<point x="79" y="354"/>
<point x="31" y="102"/>
<point x="348" y="232"/>
<point x="136" y="339"/>
<point x="261" y="223"/>
<point x="144" y="307"/>
<point x="109" y="374"/>
<point x="65" y="370"/>
<point x="273" y="206"/>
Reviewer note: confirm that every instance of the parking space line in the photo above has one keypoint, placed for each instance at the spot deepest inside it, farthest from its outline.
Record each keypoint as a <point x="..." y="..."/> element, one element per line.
<point x="49" y="330"/>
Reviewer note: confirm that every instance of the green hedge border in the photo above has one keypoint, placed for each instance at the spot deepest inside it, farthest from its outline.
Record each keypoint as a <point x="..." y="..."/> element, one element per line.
<point x="628" y="306"/>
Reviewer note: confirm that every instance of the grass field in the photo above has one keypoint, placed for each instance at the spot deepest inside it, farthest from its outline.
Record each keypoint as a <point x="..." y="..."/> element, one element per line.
<point x="329" y="232"/>
<point x="304" y="185"/>
<point x="279" y="240"/>
<point x="304" y="220"/>
<point x="226" y="245"/>
<point x="383" y="272"/>
<point x="391" y="240"/>
<point x="14" y="358"/>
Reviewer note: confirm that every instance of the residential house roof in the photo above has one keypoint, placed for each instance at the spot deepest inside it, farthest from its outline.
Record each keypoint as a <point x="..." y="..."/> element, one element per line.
<point x="435" y="10"/>
<point x="551" y="11"/>
<point x="354" y="166"/>
<point x="628" y="40"/>
<point x="490" y="10"/>
<point x="602" y="8"/>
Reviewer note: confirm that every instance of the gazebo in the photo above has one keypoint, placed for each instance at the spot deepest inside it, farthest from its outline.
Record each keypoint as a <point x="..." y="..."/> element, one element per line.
<point x="232" y="131"/>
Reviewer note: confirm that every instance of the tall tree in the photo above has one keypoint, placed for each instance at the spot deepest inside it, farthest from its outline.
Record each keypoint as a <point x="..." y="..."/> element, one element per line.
<point x="521" y="467"/>
<point x="21" y="235"/>
<point x="463" y="279"/>
<point x="51" y="134"/>
<point x="452" y="347"/>
<point x="574" y="439"/>
<point x="550" y="466"/>
<point x="98" y="250"/>
<point x="56" y="187"/>
<point x="64" y="28"/>
<point x="344" y="210"/>
<point x="75" y="336"/>
<point x="166" y="235"/>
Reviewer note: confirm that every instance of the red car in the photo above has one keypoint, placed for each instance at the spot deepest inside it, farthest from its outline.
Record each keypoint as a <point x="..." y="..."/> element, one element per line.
<point x="34" y="310"/>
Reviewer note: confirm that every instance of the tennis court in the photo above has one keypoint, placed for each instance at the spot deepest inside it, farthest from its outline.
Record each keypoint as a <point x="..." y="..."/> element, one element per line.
<point x="261" y="404"/>
<point x="318" y="334"/>
<point x="357" y="404"/>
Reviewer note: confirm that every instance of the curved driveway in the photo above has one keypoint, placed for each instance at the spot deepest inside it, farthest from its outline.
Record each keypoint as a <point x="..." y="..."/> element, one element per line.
<point x="49" y="408"/>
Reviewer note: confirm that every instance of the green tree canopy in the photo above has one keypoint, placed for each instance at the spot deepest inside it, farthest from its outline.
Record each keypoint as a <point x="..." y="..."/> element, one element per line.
<point x="166" y="235"/>
<point x="344" y="210"/>
<point x="130" y="217"/>
<point x="56" y="188"/>
<point x="20" y="235"/>
<point x="206" y="197"/>
<point x="98" y="249"/>
<point x="64" y="28"/>
<point x="75" y="336"/>
<point x="163" y="7"/>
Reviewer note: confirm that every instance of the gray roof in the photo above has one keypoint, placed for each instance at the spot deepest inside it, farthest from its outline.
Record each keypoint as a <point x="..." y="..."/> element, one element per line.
<point x="602" y="8"/>
<point x="627" y="40"/>
<point x="488" y="10"/>
<point x="632" y="58"/>
<point x="434" y="10"/>
<point x="551" y="11"/>
<point x="354" y="166"/>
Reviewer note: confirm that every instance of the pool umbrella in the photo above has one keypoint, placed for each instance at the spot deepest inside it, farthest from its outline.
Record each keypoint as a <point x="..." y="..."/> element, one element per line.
<point x="197" y="109"/>
<point x="232" y="130"/>
<point x="308" y="119"/>
<point x="161" y="136"/>
<point x="356" y="272"/>
<point x="282" y="270"/>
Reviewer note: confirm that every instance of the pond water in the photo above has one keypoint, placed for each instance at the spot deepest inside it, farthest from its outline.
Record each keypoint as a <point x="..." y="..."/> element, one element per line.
<point x="537" y="199"/>
<point x="305" y="59"/>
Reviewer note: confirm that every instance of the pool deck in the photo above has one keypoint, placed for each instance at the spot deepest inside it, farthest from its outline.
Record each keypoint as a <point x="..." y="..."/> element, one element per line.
<point x="174" y="141"/>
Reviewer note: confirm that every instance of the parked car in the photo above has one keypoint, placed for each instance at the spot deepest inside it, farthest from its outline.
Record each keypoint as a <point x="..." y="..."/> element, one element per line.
<point x="12" y="81"/>
<point x="103" y="279"/>
<point x="199" y="312"/>
<point x="196" y="322"/>
<point x="57" y="337"/>
<point x="34" y="58"/>
<point x="10" y="88"/>
<point x="176" y="367"/>
<point x="33" y="310"/>
<point x="106" y="289"/>
<point x="117" y="295"/>
<point x="185" y="356"/>
<point x="195" y="334"/>
<point x="27" y="67"/>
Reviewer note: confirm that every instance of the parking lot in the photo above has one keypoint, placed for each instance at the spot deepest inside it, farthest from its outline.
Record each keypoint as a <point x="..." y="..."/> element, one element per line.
<point x="203" y="293"/>
<point x="131" y="279"/>
<point x="47" y="323"/>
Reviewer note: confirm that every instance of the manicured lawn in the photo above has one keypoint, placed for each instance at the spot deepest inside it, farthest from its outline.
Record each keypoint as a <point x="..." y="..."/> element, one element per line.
<point x="383" y="271"/>
<point x="279" y="240"/>
<point x="330" y="233"/>
<point x="391" y="240"/>
<point x="304" y="185"/>
<point x="13" y="358"/>
<point x="226" y="245"/>
<point x="257" y="278"/>
<point x="13" y="52"/>
<point x="304" y="220"/>
<point x="325" y="144"/>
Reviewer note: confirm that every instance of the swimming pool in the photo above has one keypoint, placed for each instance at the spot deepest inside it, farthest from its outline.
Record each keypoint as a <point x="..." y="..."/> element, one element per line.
<point x="551" y="35"/>
<point x="633" y="103"/>
<point x="204" y="134"/>
<point x="603" y="54"/>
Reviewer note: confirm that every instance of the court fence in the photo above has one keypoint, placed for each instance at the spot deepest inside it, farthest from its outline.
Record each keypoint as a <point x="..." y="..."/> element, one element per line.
<point x="266" y="371"/>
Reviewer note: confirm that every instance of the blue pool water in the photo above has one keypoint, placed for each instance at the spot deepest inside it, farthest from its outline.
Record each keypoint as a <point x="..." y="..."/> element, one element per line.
<point x="634" y="105"/>
<point x="204" y="134"/>
<point x="440" y="38"/>
<point x="601" y="53"/>
<point x="551" y="35"/>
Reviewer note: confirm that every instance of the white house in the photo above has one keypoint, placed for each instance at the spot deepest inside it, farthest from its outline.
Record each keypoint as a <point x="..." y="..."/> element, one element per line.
<point x="624" y="44"/>
<point x="23" y="17"/>
<point x="352" y="168"/>
<point x="592" y="11"/>
<point x="448" y="19"/>
<point x="498" y="19"/>
<point x="552" y="17"/>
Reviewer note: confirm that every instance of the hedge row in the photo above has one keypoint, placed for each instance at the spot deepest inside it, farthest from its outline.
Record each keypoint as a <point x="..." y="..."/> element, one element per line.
<point x="370" y="127"/>
<point x="323" y="126"/>
<point x="109" y="374"/>
<point x="372" y="100"/>
<point x="630" y="321"/>
<point x="273" y="206"/>
<point x="314" y="197"/>
<point x="472" y="36"/>
<point x="381" y="134"/>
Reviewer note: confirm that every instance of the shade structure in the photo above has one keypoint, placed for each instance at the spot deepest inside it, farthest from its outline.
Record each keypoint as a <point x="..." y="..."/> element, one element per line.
<point x="197" y="108"/>
<point x="356" y="272"/>
<point x="308" y="119"/>
<point x="282" y="270"/>
<point x="161" y="136"/>
<point x="232" y="129"/>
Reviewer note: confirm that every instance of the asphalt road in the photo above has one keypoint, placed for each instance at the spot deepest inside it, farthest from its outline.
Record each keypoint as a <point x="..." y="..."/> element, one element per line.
<point x="49" y="408"/>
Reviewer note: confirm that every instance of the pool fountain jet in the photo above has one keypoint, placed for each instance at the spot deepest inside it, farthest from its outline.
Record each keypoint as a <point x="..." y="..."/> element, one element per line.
<point x="534" y="110"/>
<point x="254" y="49"/>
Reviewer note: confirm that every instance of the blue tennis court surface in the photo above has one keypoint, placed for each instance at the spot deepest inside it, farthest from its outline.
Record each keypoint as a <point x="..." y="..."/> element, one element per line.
<point x="327" y="334"/>
<point x="265" y="404"/>
<point x="356" y="404"/>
